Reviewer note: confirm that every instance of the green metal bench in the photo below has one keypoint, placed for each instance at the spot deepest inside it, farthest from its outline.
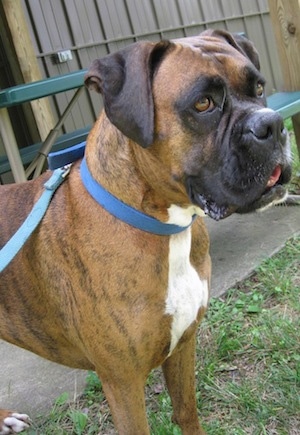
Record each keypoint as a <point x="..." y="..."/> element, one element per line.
<point x="35" y="155"/>
<point x="42" y="88"/>
<point x="286" y="103"/>
<point x="29" y="153"/>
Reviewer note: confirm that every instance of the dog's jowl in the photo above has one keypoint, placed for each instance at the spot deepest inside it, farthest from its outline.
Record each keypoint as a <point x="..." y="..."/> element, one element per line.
<point x="115" y="278"/>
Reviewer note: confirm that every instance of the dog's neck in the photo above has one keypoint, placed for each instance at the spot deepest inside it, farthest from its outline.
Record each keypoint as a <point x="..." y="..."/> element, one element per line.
<point x="131" y="173"/>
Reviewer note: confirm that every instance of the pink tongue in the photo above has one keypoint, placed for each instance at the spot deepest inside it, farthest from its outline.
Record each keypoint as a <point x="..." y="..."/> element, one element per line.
<point x="274" y="177"/>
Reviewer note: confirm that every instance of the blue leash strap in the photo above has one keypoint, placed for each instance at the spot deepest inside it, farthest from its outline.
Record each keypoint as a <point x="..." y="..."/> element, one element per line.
<point x="57" y="159"/>
<point x="13" y="246"/>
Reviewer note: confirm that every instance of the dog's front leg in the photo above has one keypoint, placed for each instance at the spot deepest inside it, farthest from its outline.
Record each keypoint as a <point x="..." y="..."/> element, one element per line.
<point x="179" y="372"/>
<point x="126" y="400"/>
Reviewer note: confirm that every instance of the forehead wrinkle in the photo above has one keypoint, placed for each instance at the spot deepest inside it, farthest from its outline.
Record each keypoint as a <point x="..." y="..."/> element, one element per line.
<point x="218" y="56"/>
<point x="238" y="70"/>
<point x="188" y="63"/>
<point x="191" y="60"/>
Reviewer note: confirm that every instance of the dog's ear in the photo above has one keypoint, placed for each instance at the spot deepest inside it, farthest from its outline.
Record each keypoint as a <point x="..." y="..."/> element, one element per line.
<point x="125" y="81"/>
<point x="247" y="48"/>
<point x="238" y="41"/>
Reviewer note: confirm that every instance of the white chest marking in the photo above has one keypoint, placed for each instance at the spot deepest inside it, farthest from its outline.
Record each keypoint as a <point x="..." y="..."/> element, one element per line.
<point x="186" y="291"/>
<point x="183" y="216"/>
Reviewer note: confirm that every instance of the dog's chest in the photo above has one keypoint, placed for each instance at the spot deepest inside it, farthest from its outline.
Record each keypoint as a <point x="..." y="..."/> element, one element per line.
<point x="187" y="292"/>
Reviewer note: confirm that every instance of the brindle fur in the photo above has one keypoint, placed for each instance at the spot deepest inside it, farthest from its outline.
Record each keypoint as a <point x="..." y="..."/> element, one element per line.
<point x="87" y="290"/>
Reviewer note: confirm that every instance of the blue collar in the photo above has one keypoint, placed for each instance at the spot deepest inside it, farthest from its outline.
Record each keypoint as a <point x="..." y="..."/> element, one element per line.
<point x="113" y="205"/>
<point x="124" y="212"/>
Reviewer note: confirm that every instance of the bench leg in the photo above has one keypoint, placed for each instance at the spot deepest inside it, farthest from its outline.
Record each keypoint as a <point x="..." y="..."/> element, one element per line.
<point x="11" y="147"/>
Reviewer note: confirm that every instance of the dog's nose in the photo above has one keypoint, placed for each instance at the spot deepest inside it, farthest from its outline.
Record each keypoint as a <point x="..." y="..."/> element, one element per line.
<point x="266" y="126"/>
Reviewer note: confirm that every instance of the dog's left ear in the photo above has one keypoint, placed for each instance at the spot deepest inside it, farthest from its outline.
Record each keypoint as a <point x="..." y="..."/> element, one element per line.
<point x="240" y="42"/>
<point x="125" y="81"/>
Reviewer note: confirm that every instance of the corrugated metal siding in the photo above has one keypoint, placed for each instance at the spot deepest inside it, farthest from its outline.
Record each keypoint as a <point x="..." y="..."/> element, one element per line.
<point x="93" y="28"/>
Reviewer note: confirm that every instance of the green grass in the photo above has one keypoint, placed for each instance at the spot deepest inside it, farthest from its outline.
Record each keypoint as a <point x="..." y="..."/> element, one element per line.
<point x="251" y="376"/>
<point x="248" y="362"/>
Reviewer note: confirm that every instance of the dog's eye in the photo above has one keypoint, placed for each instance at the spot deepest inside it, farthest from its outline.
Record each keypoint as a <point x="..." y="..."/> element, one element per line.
<point x="259" y="90"/>
<point x="204" y="104"/>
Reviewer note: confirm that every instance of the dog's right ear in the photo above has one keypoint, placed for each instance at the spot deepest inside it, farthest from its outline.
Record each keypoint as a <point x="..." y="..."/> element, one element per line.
<point x="125" y="81"/>
<point x="238" y="41"/>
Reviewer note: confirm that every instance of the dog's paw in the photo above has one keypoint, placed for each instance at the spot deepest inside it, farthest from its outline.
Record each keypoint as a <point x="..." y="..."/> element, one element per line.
<point x="13" y="423"/>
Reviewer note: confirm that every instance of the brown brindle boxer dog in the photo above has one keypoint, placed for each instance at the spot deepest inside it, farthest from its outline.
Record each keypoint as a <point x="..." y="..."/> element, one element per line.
<point x="184" y="132"/>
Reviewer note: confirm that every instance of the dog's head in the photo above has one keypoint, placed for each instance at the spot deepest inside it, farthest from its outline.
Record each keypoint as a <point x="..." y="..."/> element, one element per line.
<point x="198" y="104"/>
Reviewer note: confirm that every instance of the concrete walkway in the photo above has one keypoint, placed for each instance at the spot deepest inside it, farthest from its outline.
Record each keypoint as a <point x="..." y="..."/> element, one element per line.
<point x="238" y="244"/>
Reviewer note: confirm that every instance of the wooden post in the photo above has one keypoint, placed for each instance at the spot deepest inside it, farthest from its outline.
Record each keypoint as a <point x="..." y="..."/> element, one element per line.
<point x="27" y="60"/>
<point x="285" y="16"/>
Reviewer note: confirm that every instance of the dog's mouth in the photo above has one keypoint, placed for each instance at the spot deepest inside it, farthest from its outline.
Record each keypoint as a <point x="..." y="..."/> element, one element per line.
<point x="272" y="191"/>
<point x="212" y="209"/>
<point x="275" y="176"/>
